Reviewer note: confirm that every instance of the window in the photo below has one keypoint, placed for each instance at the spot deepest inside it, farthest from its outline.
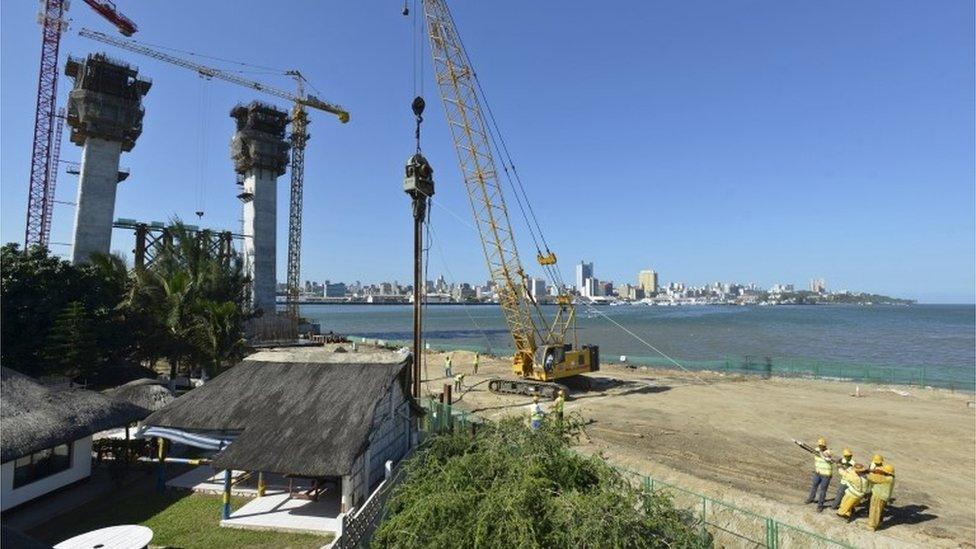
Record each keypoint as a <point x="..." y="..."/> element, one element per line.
<point x="42" y="464"/>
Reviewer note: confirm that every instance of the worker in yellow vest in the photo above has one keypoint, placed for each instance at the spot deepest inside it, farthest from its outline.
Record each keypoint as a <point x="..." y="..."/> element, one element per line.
<point x="557" y="406"/>
<point x="823" y="469"/>
<point x="882" y="483"/>
<point x="857" y="488"/>
<point x="846" y="462"/>
<point x="447" y="366"/>
<point x="477" y="359"/>
<point x="536" y="414"/>
<point x="458" y="382"/>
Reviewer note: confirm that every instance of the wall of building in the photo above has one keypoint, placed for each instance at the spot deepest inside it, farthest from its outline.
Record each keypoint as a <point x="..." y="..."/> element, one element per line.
<point x="80" y="468"/>
<point x="389" y="440"/>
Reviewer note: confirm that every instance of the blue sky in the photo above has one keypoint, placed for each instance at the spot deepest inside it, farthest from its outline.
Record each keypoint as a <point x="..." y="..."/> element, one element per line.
<point x="748" y="141"/>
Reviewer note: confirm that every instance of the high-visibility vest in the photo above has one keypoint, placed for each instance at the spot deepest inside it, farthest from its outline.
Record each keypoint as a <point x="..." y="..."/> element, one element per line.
<point x="845" y="464"/>
<point x="857" y="485"/>
<point x="558" y="407"/>
<point x="822" y="465"/>
<point x="536" y="412"/>
<point x="447" y="361"/>
<point x="882" y="487"/>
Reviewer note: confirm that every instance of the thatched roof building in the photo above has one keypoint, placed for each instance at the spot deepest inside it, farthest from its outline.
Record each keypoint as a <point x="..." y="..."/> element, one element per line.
<point x="149" y="394"/>
<point x="302" y="416"/>
<point x="34" y="417"/>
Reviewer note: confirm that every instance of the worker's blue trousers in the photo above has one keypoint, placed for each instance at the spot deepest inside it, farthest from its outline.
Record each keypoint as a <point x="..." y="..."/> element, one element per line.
<point x="818" y="489"/>
<point x="841" y="488"/>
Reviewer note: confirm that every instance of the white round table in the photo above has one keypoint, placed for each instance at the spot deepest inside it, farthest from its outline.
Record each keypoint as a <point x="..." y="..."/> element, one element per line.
<point x="128" y="536"/>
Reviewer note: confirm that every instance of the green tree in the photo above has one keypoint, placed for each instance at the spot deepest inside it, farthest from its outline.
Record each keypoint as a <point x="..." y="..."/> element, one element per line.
<point x="219" y="333"/>
<point x="35" y="287"/>
<point x="71" y="346"/>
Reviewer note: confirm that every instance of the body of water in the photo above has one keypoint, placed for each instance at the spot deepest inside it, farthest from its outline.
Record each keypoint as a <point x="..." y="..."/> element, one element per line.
<point x="939" y="338"/>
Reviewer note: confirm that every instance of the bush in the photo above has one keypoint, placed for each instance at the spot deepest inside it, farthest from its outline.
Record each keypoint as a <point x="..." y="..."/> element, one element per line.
<point x="508" y="486"/>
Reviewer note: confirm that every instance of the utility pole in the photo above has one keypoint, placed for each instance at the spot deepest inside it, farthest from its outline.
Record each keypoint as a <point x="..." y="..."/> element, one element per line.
<point x="418" y="182"/>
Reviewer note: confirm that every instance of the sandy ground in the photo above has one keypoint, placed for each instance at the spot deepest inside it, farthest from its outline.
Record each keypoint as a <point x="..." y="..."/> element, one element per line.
<point x="729" y="437"/>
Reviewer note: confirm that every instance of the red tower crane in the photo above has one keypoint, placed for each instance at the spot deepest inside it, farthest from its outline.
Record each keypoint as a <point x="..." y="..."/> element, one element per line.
<point x="44" y="162"/>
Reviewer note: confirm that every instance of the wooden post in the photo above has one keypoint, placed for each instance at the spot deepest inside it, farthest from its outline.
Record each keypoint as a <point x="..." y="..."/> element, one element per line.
<point x="161" y="469"/>
<point x="226" y="509"/>
<point x="261" y="486"/>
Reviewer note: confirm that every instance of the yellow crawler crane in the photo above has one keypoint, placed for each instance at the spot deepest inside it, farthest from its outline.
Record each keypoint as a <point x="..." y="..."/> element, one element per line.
<point x="542" y="353"/>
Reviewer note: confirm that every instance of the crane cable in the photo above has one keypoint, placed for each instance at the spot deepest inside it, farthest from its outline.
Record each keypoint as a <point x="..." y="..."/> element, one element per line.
<point x="514" y="180"/>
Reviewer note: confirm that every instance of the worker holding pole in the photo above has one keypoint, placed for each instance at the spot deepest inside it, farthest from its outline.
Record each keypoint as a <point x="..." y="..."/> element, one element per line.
<point x="846" y="461"/>
<point x="822" y="471"/>
<point x="857" y="487"/>
<point x="882" y="483"/>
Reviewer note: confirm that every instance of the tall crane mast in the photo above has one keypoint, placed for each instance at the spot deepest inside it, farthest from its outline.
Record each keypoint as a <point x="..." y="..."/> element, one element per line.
<point x="299" y="138"/>
<point x="44" y="163"/>
<point x="542" y="354"/>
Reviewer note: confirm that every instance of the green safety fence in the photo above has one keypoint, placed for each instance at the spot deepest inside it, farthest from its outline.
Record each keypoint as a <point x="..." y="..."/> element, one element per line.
<point x="720" y="523"/>
<point x="726" y="525"/>
<point x="867" y="373"/>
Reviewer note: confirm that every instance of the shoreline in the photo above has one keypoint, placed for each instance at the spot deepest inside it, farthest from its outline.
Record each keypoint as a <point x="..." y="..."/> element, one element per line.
<point x="683" y="427"/>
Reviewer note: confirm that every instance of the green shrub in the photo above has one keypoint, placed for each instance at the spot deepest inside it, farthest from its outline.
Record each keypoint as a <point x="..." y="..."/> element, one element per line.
<point x="508" y="486"/>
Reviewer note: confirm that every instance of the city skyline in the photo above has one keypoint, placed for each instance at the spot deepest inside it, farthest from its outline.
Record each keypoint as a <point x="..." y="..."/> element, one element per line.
<point x="809" y="161"/>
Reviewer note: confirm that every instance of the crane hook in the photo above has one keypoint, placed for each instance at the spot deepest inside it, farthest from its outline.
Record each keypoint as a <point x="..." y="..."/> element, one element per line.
<point x="406" y="10"/>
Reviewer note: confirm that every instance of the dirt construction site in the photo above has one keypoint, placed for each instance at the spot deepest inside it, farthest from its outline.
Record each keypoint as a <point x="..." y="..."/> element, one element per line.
<point x="729" y="437"/>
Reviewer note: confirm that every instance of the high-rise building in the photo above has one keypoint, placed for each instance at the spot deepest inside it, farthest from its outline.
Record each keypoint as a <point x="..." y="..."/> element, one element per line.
<point x="537" y="288"/>
<point x="647" y="281"/>
<point x="583" y="271"/>
<point x="818" y="286"/>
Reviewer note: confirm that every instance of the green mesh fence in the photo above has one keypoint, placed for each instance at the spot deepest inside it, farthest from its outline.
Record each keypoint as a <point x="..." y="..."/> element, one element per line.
<point x="861" y="372"/>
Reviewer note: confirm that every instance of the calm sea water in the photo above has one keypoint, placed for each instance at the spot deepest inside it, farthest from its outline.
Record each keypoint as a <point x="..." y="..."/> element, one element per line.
<point x="941" y="338"/>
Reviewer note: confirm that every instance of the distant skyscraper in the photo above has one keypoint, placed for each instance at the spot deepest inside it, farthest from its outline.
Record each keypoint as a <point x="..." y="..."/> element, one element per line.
<point x="647" y="281"/>
<point x="537" y="287"/>
<point x="818" y="285"/>
<point x="583" y="271"/>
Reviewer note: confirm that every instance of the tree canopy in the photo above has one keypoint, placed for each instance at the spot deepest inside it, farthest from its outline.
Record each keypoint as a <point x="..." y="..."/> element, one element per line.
<point x="187" y="306"/>
<point x="508" y="486"/>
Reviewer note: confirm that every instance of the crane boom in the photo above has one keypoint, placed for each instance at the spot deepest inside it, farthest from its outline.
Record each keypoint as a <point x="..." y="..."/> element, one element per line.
<point x="209" y="72"/>
<point x="457" y="84"/>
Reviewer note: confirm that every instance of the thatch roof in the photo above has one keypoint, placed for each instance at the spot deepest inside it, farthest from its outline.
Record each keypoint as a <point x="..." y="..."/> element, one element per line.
<point x="34" y="417"/>
<point x="304" y="418"/>
<point x="149" y="394"/>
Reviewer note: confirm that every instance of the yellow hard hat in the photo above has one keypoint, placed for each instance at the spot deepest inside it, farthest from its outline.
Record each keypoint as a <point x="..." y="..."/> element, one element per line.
<point x="877" y="459"/>
<point x="848" y="453"/>
<point x="535" y="398"/>
<point x="562" y="392"/>
<point x="821" y="441"/>
<point x="888" y="468"/>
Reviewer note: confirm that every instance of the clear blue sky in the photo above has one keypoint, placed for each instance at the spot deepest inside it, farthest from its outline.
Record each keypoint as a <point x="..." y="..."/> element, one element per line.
<point x="747" y="141"/>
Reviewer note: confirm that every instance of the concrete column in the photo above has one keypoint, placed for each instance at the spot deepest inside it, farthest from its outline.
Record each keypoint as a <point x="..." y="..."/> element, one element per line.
<point x="260" y="154"/>
<point x="105" y="114"/>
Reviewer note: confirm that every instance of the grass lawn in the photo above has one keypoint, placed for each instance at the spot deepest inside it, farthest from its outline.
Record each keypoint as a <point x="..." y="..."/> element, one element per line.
<point x="177" y="519"/>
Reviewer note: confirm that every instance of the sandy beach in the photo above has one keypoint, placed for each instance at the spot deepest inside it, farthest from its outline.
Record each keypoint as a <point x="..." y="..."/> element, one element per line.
<point x="729" y="437"/>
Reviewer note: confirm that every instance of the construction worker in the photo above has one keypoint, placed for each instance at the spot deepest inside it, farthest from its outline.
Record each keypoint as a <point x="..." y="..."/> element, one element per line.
<point x="856" y="488"/>
<point x="448" y="372"/>
<point x="458" y="380"/>
<point x="882" y="483"/>
<point x="536" y="414"/>
<point x="822" y="471"/>
<point x="846" y="461"/>
<point x="477" y="359"/>
<point x="557" y="406"/>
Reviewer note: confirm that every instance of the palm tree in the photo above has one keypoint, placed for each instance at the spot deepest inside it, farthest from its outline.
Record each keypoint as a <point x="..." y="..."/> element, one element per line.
<point x="219" y="334"/>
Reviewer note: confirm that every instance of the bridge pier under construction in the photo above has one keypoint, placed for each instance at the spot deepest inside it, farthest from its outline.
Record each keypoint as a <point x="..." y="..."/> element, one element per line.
<point x="105" y="115"/>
